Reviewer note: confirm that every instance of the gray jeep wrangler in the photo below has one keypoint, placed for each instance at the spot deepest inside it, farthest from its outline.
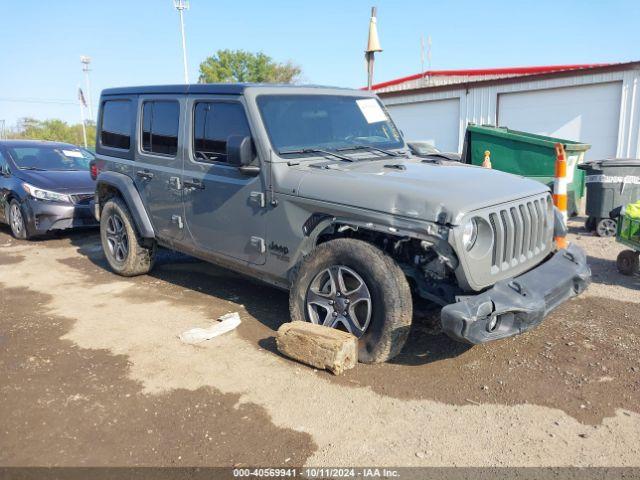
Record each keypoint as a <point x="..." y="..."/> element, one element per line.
<point x="313" y="190"/>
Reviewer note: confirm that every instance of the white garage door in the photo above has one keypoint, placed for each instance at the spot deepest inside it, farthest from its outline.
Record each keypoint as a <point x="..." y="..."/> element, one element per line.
<point x="587" y="114"/>
<point x="436" y="122"/>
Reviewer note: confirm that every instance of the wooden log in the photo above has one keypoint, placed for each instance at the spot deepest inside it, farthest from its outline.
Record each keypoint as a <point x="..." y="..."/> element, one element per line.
<point x="321" y="347"/>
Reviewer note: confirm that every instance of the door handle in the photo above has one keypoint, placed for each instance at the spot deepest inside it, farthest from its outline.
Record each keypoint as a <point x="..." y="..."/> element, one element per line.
<point x="145" y="174"/>
<point x="195" y="184"/>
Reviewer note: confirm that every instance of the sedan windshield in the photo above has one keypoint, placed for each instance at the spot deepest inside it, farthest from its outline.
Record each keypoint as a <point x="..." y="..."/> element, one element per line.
<point x="49" y="157"/>
<point x="299" y="124"/>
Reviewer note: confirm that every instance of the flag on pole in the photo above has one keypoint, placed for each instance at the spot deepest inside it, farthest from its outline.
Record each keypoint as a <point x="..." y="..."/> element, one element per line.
<point x="81" y="98"/>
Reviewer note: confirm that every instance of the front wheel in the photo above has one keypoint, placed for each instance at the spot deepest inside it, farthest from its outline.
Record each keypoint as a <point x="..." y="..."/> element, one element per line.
<point x="16" y="221"/>
<point x="353" y="286"/>
<point x="122" y="246"/>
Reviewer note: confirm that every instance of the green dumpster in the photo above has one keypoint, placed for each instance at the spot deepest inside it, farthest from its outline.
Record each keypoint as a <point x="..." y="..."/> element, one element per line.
<point x="526" y="154"/>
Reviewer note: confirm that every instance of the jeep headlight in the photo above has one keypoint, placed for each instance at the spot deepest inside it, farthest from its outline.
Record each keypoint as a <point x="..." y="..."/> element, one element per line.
<point x="40" y="194"/>
<point x="469" y="234"/>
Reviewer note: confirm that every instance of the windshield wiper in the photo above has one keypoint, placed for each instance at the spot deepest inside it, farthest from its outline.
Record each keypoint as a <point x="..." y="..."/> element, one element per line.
<point x="34" y="168"/>
<point x="367" y="147"/>
<point x="315" y="150"/>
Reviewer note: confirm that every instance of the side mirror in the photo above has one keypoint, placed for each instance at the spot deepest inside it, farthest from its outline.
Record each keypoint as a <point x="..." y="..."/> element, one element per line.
<point x="240" y="154"/>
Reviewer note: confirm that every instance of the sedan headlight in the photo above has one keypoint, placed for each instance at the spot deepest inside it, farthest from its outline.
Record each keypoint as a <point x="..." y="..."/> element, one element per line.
<point x="469" y="234"/>
<point x="40" y="194"/>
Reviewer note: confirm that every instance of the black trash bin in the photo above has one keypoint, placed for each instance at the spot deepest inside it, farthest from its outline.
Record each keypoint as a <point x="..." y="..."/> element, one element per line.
<point x="610" y="184"/>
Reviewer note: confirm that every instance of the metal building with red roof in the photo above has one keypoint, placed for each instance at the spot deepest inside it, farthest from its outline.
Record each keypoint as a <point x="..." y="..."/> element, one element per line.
<point x="594" y="103"/>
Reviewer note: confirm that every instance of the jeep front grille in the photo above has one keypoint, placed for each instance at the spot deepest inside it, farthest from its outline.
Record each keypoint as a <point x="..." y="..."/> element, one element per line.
<point x="521" y="231"/>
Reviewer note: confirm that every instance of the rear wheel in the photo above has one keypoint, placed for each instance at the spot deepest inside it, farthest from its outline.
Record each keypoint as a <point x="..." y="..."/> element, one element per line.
<point x="353" y="286"/>
<point x="124" y="249"/>
<point x="628" y="262"/>
<point x="606" y="227"/>
<point x="16" y="221"/>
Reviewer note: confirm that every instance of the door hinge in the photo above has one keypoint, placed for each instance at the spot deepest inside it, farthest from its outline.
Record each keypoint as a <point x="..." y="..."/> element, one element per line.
<point x="258" y="244"/>
<point x="258" y="197"/>
<point x="177" y="219"/>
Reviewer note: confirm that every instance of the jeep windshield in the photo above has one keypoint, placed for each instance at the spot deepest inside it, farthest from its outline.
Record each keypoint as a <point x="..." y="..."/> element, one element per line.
<point x="300" y="125"/>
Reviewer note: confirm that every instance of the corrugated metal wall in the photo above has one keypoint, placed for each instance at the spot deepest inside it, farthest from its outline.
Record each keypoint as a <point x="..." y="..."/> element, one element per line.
<point x="479" y="105"/>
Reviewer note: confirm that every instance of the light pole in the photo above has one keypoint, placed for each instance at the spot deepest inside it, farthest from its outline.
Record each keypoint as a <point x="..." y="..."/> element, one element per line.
<point x="85" y="68"/>
<point x="373" y="46"/>
<point x="181" y="6"/>
<point x="83" y="104"/>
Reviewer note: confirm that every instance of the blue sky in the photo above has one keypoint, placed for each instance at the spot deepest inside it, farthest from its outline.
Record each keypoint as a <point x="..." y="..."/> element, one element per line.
<point x="137" y="41"/>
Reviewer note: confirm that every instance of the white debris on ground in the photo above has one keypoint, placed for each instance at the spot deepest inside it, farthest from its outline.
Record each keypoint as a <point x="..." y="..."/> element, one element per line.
<point x="225" y="324"/>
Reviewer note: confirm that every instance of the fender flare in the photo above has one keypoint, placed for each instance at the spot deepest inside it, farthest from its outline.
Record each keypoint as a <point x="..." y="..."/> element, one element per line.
<point x="127" y="189"/>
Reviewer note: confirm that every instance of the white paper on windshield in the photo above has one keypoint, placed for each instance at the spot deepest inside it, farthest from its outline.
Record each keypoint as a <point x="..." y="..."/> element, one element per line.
<point x="73" y="153"/>
<point x="371" y="110"/>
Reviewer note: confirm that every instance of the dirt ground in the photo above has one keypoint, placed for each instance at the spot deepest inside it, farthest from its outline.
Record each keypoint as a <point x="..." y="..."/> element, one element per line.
<point x="92" y="373"/>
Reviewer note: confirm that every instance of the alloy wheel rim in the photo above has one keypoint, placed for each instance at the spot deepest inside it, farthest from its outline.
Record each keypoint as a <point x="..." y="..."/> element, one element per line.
<point x="117" y="238"/>
<point x="16" y="220"/>
<point x="339" y="298"/>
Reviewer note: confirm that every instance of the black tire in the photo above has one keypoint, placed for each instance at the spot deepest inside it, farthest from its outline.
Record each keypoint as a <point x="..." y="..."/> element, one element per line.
<point x="628" y="262"/>
<point x="606" y="227"/>
<point x="15" y="217"/>
<point x="391" y="308"/>
<point x="116" y="225"/>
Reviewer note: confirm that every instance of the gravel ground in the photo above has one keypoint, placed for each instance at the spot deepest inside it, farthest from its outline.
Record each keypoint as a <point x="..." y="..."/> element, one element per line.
<point x="92" y="373"/>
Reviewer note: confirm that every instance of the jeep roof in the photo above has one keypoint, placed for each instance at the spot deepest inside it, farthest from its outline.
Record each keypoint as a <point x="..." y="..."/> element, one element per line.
<point x="217" y="88"/>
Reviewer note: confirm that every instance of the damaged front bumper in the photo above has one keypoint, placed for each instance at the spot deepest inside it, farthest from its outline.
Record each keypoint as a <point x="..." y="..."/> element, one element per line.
<point x="518" y="304"/>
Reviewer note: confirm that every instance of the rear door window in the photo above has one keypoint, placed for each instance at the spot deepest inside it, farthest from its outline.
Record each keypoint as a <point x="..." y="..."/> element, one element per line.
<point x="213" y="124"/>
<point x="160" y="123"/>
<point x="116" y="124"/>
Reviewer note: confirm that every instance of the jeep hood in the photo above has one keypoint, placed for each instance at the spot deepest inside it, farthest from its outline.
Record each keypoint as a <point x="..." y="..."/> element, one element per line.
<point x="413" y="188"/>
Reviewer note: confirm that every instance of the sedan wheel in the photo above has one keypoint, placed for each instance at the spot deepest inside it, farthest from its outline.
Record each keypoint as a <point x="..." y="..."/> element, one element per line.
<point x="16" y="221"/>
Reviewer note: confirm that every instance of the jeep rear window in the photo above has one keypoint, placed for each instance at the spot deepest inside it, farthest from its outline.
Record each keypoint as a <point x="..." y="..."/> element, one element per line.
<point x="116" y="124"/>
<point x="160" y="119"/>
<point x="296" y="122"/>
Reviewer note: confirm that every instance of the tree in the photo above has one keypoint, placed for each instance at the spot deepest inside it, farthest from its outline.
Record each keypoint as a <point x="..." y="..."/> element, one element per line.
<point x="229" y="66"/>
<point x="54" y="130"/>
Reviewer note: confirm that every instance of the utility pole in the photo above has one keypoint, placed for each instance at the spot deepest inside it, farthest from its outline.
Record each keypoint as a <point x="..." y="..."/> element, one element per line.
<point x="373" y="46"/>
<point x="425" y="75"/>
<point x="85" y="68"/>
<point x="181" y="6"/>
<point x="83" y="103"/>
<point x="422" y="57"/>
